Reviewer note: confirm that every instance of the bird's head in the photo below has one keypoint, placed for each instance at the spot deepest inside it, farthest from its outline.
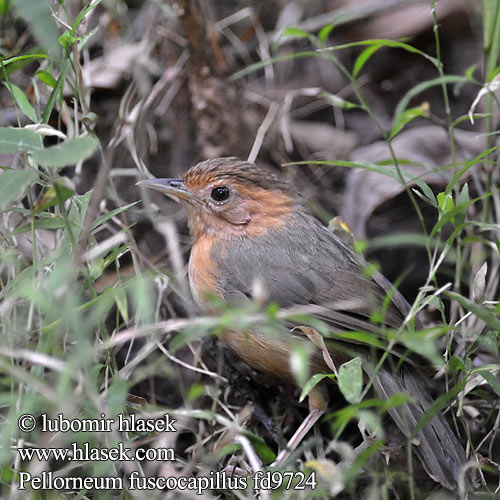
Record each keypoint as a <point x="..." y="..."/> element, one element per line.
<point x="228" y="197"/>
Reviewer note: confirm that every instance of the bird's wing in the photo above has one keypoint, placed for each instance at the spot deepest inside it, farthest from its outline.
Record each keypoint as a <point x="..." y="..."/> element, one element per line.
<point x="304" y="263"/>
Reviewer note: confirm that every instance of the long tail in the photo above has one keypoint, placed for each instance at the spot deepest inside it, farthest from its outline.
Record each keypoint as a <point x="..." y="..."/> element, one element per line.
<point x="435" y="445"/>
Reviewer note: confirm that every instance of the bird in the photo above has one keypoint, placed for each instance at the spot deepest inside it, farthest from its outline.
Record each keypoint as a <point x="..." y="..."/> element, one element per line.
<point x="249" y="223"/>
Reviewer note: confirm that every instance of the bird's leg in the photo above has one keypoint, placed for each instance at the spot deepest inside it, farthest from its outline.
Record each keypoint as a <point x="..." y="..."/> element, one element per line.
<point x="318" y="402"/>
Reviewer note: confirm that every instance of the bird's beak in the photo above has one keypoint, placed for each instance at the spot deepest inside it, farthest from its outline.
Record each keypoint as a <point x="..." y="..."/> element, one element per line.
<point x="174" y="188"/>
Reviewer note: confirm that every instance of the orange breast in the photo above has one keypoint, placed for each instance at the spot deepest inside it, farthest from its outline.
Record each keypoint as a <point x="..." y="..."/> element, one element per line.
<point x="202" y="272"/>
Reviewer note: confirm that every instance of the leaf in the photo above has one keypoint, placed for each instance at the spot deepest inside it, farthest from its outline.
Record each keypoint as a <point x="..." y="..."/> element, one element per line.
<point x="422" y="343"/>
<point x="491" y="379"/>
<point x="67" y="153"/>
<point x="67" y="40"/>
<point x="351" y="380"/>
<point x="39" y="16"/>
<point x="445" y="202"/>
<point x="407" y="116"/>
<point x="117" y="393"/>
<point x="16" y="59"/>
<point x="489" y="340"/>
<point x="383" y="42"/>
<point x="52" y="223"/>
<point x="469" y="73"/>
<point x="403" y="103"/>
<point x="317" y="339"/>
<point x="58" y="193"/>
<point x="313" y="382"/>
<point x="121" y="302"/>
<point x="46" y="130"/>
<point x="295" y="32"/>
<point x="481" y="312"/>
<point x="56" y="91"/>
<point x="22" y="101"/>
<point x="388" y="170"/>
<point x="363" y="58"/>
<point x="463" y="200"/>
<point x="436" y="407"/>
<point x="4" y="7"/>
<point x="195" y="391"/>
<point x="46" y="78"/>
<point x="259" y="445"/>
<point x="15" y="140"/>
<point x="299" y="362"/>
<point x="337" y="102"/>
<point x="479" y="283"/>
<point x="13" y="183"/>
<point x="324" y="32"/>
<point x="103" y="218"/>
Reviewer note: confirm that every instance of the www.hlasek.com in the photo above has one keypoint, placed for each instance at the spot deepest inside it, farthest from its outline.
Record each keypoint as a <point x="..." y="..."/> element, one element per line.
<point x="48" y="480"/>
<point x="86" y="453"/>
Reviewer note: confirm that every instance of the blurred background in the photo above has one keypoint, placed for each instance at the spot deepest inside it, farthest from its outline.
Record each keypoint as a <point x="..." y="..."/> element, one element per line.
<point x="364" y="104"/>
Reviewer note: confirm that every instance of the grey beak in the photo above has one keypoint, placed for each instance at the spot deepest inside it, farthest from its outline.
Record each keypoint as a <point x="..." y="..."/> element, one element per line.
<point x="174" y="188"/>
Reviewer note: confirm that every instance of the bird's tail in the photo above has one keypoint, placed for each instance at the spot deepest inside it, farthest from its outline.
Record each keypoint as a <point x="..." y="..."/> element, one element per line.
<point x="435" y="444"/>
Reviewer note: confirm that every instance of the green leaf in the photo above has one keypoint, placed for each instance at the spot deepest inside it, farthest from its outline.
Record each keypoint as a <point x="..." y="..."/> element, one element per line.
<point x="81" y="15"/>
<point x="313" y="382"/>
<point x="116" y="397"/>
<point x="383" y="42"/>
<point x="489" y="340"/>
<point x="450" y="215"/>
<point x="407" y="116"/>
<point x="103" y="218"/>
<point x="56" y="91"/>
<point x="422" y="343"/>
<point x="480" y="311"/>
<point x="295" y="32"/>
<point x="229" y="449"/>
<point x="338" y="102"/>
<point x="445" y="202"/>
<point x="66" y="39"/>
<point x="195" y="391"/>
<point x="299" y="363"/>
<point x="456" y="365"/>
<point x="463" y="200"/>
<point x="491" y="379"/>
<point x="46" y="78"/>
<point x="469" y="73"/>
<point x="121" y="302"/>
<point x="15" y="140"/>
<point x="58" y="193"/>
<point x="38" y="15"/>
<point x="403" y="103"/>
<point x="52" y="223"/>
<point x="388" y="170"/>
<point x="67" y="153"/>
<point x="4" y="7"/>
<point x="13" y="183"/>
<point x="16" y="59"/>
<point x="363" y="58"/>
<point x="351" y="380"/>
<point x="22" y="101"/>
<point x="324" y="32"/>
<point x="358" y="337"/>
<point x="259" y="445"/>
<point x="370" y="420"/>
<point x="436" y="407"/>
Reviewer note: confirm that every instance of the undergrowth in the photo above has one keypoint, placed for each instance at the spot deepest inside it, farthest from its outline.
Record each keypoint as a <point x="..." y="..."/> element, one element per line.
<point x="82" y="338"/>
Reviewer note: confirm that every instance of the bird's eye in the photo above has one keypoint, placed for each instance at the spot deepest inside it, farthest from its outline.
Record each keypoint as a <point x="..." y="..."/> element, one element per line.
<point x="220" y="193"/>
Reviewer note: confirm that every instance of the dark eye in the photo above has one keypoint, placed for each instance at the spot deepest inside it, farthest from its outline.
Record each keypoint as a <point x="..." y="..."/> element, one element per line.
<point x="220" y="193"/>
